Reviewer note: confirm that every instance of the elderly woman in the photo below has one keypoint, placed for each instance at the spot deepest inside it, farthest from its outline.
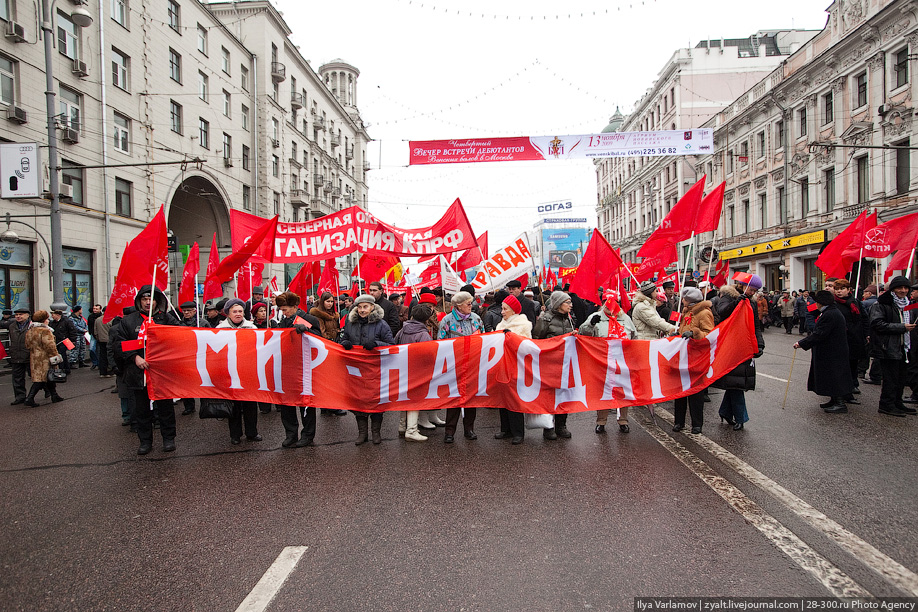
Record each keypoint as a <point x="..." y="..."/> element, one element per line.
<point x="556" y="321"/>
<point x="513" y="321"/>
<point x="648" y="323"/>
<point x="260" y="315"/>
<point x="697" y="323"/>
<point x="234" y="309"/>
<point x="39" y="340"/>
<point x="613" y="323"/>
<point x="366" y="326"/>
<point x="414" y="330"/>
<point x="458" y="323"/>
<point x="329" y="321"/>
<point x="829" y="372"/>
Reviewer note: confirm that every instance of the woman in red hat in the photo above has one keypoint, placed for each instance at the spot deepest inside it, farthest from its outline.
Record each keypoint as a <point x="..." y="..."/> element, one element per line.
<point x="513" y="321"/>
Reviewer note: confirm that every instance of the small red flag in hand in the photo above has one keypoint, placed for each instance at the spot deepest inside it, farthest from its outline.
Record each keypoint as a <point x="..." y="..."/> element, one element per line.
<point x="2" y="351"/>
<point x="66" y="342"/>
<point x="911" y="307"/>
<point x="812" y="307"/>
<point x="674" y="316"/>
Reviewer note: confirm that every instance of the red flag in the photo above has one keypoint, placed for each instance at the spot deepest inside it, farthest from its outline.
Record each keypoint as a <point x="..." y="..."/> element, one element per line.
<point x="248" y="277"/>
<point x="707" y="217"/>
<point x="238" y="257"/>
<point x="213" y="289"/>
<point x="189" y="275"/>
<point x="838" y="256"/>
<point x="2" y="351"/>
<point x="148" y="250"/>
<point x="307" y="277"/>
<point x="550" y="279"/>
<point x="374" y="267"/>
<point x="329" y="278"/>
<point x="721" y="272"/>
<point x="472" y="257"/>
<point x="680" y="223"/>
<point x="898" y="234"/>
<point x="524" y="280"/>
<point x="656" y="262"/>
<point x="67" y="343"/>
<point x="599" y="263"/>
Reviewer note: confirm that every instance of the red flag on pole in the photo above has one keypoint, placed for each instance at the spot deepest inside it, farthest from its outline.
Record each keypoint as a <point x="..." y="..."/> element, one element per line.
<point x="232" y="262"/>
<point x="838" y="256"/>
<point x="148" y="250"/>
<point x="898" y="235"/>
<point x="721" y="273"/>
<point x="189" y="275"/>
<point x="212" y="288"/>
<point x="680" y="223"/>
<point x="472" y="257"/>
<point x="374" y="267"/>
<point x="307" y="277"/>
<point x="599" y="263"/>
<point x="329" y="278"/>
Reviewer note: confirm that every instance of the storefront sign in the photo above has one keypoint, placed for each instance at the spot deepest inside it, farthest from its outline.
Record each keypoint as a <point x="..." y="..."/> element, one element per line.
<point x="775" y="245"/>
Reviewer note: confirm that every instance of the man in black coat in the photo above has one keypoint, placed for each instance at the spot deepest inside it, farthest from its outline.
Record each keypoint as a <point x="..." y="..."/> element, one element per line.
<point x="129" y="356"/>
<point x="17" y="326"/>
<point x="64" y="329"/>
<point x="530" y="309"/>
<point x="190" y="319"/>
<point x="890" y="341"/>
<point x="390" y="310"/>
<point x="830" y="373"/>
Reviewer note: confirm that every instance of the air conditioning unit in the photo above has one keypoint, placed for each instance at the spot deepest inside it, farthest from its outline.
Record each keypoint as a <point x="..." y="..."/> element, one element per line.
<point x="17" y="115"/>
<point x="275" y="143"/>
<point x="15" y="32"/>
<point x="79" y="68"/>
<point x="66" y="191"/>
<point x="227" y="162"/>
<point x="70" y="136"/>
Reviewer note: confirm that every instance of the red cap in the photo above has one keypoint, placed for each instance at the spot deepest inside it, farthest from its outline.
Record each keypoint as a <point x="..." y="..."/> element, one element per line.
<point x="427" y="298"/>
<point x="513" y="304"/>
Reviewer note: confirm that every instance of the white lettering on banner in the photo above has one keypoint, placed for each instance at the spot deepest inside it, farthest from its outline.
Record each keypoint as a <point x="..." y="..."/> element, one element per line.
<point x="571" y="365"/>
<point x="618" y="374"/>
<point x="390" y="361"/>
<point x="492" y="351"/>
<point x="217" y="341"/>
<point x="528" y="393"/>
<point x="509" y="262"/>
<point x="267" y="348"/>
<point x="310" y="343"/>
<point x="444" y="371"/>
<point x="712" y="341"/>
<point x="668" y="349"/>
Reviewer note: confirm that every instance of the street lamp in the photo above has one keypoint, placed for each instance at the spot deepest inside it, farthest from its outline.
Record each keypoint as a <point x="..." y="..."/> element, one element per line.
<point x="81" y="18"/>
<point x="11" y="237"/>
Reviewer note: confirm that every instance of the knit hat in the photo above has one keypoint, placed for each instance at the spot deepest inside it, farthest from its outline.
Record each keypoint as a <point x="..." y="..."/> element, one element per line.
<point x="232" y="302"/>
<point x="692" y="294"/>
<point x="258" y="305"/>
<point x="824" y="298"/>
<point x="872" y="289"/>
<point x="468" y="289"/>
<point x="421" y="312"/>
<point x="756" y="282"/>
<point x="899" y="281"/>
<point x="647" y="288"/>
<point x="513" y="304"/>
<point x="427" y="298"/>
<point x="365" y="299"/>
<point x="557" y="298"/>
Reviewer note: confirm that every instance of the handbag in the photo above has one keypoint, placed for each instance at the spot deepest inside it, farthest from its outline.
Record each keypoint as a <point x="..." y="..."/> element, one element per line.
<point x="538" y="421"/>
<point x="56" y="375"/>
<point x="215" y="409"/>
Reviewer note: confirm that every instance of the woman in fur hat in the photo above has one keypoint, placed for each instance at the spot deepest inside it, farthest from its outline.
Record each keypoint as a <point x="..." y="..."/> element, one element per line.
<point x="557" y="320"/>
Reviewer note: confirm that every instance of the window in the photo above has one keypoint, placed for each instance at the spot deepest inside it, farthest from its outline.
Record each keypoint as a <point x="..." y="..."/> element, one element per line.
<point x="729" y="228"/>
<point x="245" y="117"/>
<point x="244" y="78"/>
<point x="828" y="110"/>
<point x="275" y="92"/>
<point x="227" y="105"/>
<point x="744" y="152"/>
<point x="275" y="166"/>
<point x="274" y="129"/>
<point x="276" y="203"/>
<point x="828" y="180"/>
<point x="761" y="138"/>
<point x="745" y="216"/>
<point x="779" y="135"/>
<point x="175" y="116"/>
<point x="763" y="209"/>
<point x="175" y="66"/>
<point x="901" y="68"/>
<point x="903" y="175"/>
<point x="863" y="193"/>
<point x="74" y="178"/>
<point x="202" y="39"/>
<point x="122" y="133"/>
<point x="123" y="191"/>
<point x="227" y="148"/>
<point x="225" y="60"/>
<point x="70" y="105"/>
<point x="175" y="15"/>
<point x="202" y="85"/>
<point x="860" y="90"/>
<point x="204" y="132"/>
<point x="293" y="150"/>
<point x="67" y="40"/>
<point x="245" y="157"/>
<point x="7" y="81"/>
<point x="273" y="53"/>
<point x="730" y="162"/>
<point x="246" y="198"/>
<point x="120" y="64"/>
<point x="120" y="11"/>
<point x="805" y="196"/>
<point x="801" y="122"/>
<point x="782" y="205"/>
<point x="5" y="13"/>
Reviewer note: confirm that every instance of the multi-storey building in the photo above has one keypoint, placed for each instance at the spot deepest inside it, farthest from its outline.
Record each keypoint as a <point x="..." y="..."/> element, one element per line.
<point x="202" y="108"/>
<point x="822" y="138"/>
<point x="635" y="193"/>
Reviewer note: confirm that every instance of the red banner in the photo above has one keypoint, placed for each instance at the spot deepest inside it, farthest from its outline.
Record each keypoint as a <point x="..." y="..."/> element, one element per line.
<point x="565" y="374"/>
<point x="354" y="229"/>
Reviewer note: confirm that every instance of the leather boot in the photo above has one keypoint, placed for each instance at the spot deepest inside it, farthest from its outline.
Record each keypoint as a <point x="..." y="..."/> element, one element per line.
<point x="30" y="398"/>
<point x="375" y="427"/>
<point x="361" y="428"/>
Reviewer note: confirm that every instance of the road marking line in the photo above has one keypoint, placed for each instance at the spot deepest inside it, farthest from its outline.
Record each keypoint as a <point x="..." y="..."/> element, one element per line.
<point x="271" y="582"/>
<point x="784" y="380"/>
<point x="889" y="569"/>
<point x="837" y="582"/>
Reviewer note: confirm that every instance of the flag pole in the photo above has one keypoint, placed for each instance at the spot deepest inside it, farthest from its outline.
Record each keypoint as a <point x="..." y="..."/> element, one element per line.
<point x="484" y="259"/>
<point x="197" y="310"/>
<point x="684" y="272"/>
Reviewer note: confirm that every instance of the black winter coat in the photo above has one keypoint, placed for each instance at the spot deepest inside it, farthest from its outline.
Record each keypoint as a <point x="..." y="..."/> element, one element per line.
<point x="830" y="372"/>
<point x="887" y="331"/>
<point x="18" y="351"/>
<point x="529" y="308"/>
<point x="390" y="314"/>
<point x="359" y="331"/>
<point x="856" y="323"/>
<point x="492" y="317"/>
<point x="741" y="377"/>
<point x="129" y="328"/>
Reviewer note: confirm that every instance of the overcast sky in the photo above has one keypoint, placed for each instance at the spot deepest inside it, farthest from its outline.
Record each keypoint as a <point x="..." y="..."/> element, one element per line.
<point x="431" y="70"/>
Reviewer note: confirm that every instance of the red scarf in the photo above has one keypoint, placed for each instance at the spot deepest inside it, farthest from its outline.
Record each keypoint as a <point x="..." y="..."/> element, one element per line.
<point x="852" y="305"/>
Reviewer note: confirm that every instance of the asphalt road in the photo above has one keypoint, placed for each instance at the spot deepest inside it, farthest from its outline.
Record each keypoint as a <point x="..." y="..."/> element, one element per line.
<point x="799" y="503"/>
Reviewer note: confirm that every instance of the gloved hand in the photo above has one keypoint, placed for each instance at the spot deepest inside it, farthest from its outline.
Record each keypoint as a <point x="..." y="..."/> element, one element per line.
<point x="594" y="320"/>
<point x="687" y="335"/>
<point x="347" y="345"/>
<point x="759" y="354"/>
<point x="300" y="328"/>
<point x="370" y="345"/>
<point x="505" y="330"/>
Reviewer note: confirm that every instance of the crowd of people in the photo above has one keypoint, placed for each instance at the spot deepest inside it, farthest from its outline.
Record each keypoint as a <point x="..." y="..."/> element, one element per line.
<point x="843" y="332"/>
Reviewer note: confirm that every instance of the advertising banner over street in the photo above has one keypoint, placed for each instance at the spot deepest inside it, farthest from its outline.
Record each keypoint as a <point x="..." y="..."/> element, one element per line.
<point x="565" y="374"/>
<point x="537" y="148"/>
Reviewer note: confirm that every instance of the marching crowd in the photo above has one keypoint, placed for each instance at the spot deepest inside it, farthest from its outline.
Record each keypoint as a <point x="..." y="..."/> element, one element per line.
<point x="843" y="331"/>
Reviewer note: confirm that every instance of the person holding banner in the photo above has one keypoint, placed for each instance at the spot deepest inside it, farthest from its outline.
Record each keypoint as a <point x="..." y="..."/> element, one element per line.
<point x="648" y="323"/>
<point x="39" y="341"/>
<point x="556" y="321"/>
<point x="512" y="423"/>
<point x="129" y="355"/>
<point x="414" y="330"/>
<point x="367" y="327"/>
<point x="234" y="309"/>
<point x="458" y="323"/>
<point x="697" y="323"/>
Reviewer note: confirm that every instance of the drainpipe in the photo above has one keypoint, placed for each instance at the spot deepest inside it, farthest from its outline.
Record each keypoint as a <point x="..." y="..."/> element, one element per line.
<point x="255" y="128"/>
<point x="106" y="216"/>
<point x="786" y="119"/>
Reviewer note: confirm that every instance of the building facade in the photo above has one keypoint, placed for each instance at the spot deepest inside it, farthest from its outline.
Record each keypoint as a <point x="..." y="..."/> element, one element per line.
<point x="200" y="108"/>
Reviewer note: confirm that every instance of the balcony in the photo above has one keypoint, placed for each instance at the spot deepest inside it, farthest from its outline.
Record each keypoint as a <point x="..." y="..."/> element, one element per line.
<point x="318" y="123"/>
<point x="299" y="198"/>
<point x="319" y="208"/>
<point x="296" y="101"/>
<point x="278" y="72"/>
<point x="327" y="187"/>
<point x="349" y="154"/>
<point x="335" y="140"/>
<point x="318" y="179"/>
